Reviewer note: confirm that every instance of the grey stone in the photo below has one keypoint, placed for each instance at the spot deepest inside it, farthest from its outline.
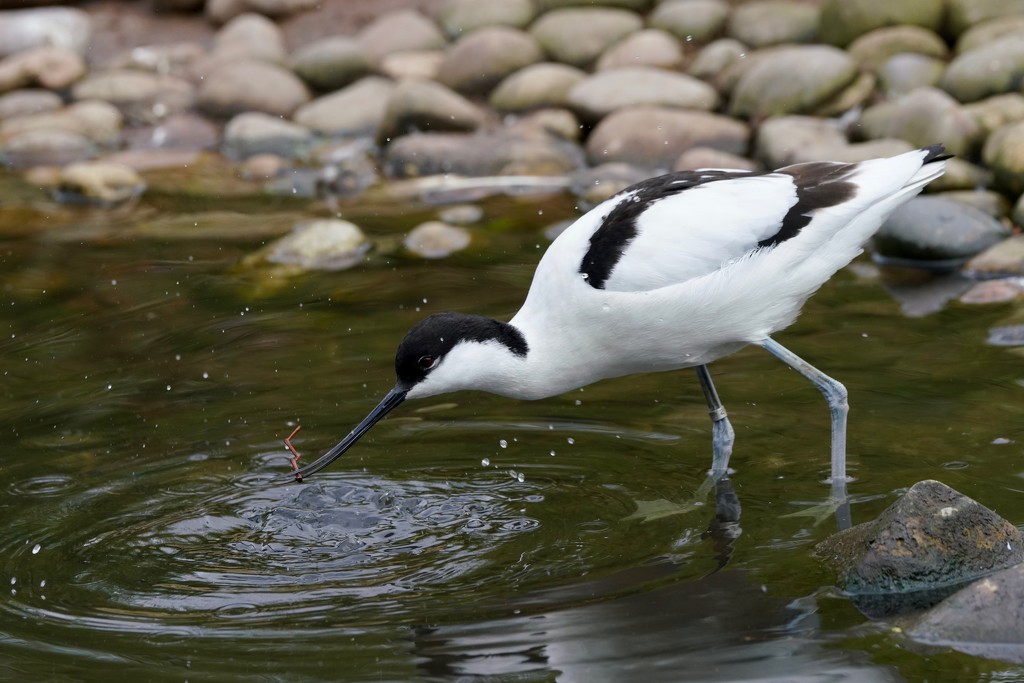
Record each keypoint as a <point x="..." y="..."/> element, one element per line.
<point x="985" y="619"/>
<point x="536" y="86"/>
<point x="55" y="26"/>
<point x="331" y="63"/>
<point x="994" y="292"/>
<point x="98" y="182"/>
<point x="140" y="95"/>
<point x="872" y="49"/>
<point x="855" y="152"/>
<point x="922" y="117"/>
<point x="988" y="201"/>
<point x="49" y="67"/>
<point x="986" y="32"/>
<point x="1004" y="154"/>
<point x="594" y="185"/>
<point x="501" y="152"/>
<point x="99" y="122"/>
<point x="1003" y="259"/>
<point x="606" y="91"/>
<point x="995" y="112"/>
<point x="256" y="133"/>
<point x="961" y="175"/>
<point x="188" y="131"/>
<point x="716" y="57"/>
<point x="650" y="47"/>
<point x="990" y="69"/>
<point x="355" y="110"/>
<point x="250" y="36"/>
<point x="782" y="139"/>
<point x="578" y="36"/>
<point x="44" y="147"/>
<point x="28" y="102"/>
<point x="902" y="73"/>
<point x="400" y="31"/>
<point x="436" y="240"/>
<point x="459" y="17"/>
<point x="172" y="59"/>
<point x="654" y="137"/>
<point x="705" y="157"/>
<point x="936" y="228"/>
<point x="932" y="538"/>
<point x="477" y="62"/>
<point x="792" y="80"/>
<point x="844" y="20"/>
<point x="699" y="21"/>
<point x="412" y="64"/>
<point x="963" y="14"/>
<point x="558" y="122"/>
<point x="326" y="244"/>
<point x="251" y="86"/>
<point x="425" y="106"/>
<point x="772" y="22"/>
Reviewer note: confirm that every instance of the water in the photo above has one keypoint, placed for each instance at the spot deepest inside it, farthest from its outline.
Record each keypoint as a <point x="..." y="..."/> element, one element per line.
<point x="150" y="529"/>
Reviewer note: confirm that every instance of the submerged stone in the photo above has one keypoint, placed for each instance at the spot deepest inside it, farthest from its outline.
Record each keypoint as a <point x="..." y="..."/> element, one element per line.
<point x="98" y="182"/>
<point x="921" y="548"/>
<point x="328" y="244"/>
<point x="435" y="240"/>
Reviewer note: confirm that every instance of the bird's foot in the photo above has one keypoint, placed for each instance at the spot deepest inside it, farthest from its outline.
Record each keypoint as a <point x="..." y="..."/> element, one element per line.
<point x="650" y="510"/>
<point x="837" y="506"/>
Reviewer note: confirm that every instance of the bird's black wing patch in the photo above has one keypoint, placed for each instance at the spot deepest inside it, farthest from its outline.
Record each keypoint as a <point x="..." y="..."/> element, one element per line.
<point x="619" y="227"/>
<point x="819" y="184"/>
<point x="437" y="334"/>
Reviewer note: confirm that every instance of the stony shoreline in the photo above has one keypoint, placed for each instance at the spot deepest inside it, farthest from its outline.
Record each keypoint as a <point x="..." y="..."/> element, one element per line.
<point x="602" y="94"/>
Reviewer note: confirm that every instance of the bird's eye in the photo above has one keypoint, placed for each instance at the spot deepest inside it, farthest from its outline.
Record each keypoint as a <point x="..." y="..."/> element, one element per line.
<point x="427" y="362"/>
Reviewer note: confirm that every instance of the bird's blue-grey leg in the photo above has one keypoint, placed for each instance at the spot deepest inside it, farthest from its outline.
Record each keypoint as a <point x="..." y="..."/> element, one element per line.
<point x="722" y="434"/>
<point x="836" y="395"/>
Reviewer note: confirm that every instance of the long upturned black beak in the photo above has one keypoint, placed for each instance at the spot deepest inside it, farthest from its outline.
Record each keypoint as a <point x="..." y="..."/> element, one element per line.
<point x="390" y="402"/>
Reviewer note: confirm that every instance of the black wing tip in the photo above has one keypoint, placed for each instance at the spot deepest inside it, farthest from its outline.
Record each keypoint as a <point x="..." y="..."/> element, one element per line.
<point x="936" y="152"/>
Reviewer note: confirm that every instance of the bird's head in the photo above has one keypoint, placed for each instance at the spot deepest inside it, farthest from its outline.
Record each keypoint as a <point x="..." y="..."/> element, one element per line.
<point x="442" y="353"/>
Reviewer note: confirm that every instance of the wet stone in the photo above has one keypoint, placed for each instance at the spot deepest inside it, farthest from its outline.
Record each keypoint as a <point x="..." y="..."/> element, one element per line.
<point x="328" y="244"/>
<point x="435" y="240"/>
<point x="923" y="546"/>
<point x="45" y="146"/>
<point x="1006" y="335"/>
<point x="932" y="227"/>
<point x="461" y="214"/>
<point x="98" y="182"/>
<point x="1001" y="259"/>
<point x="257" y="133"/>
<point x="871" y="50"/>
<point x="427" y="106"/>
<point x="996" y="292"/>
<point x="985" y="619"/>
<point x="355" y="110"/>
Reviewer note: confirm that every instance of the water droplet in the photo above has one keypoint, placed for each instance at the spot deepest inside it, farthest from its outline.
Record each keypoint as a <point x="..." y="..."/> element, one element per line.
<point x="485" y="462"/>
<point x="36" y="548"/>
<point x="570" y="441"/>
<point x="520" y="477"/>
<point x="1001" y="441"/>
<point x="552" y="453"/>
<point x="503" y="443"/>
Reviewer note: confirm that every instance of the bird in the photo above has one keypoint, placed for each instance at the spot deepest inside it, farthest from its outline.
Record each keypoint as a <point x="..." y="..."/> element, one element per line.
<point x="674" y="272"/>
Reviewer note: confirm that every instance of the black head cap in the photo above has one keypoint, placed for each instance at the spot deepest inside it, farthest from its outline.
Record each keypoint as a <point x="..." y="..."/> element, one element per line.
<point x="430" y="339"/>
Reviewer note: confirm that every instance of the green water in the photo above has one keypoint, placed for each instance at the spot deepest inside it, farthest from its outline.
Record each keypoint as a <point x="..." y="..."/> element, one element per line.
<point x="149" y="529"/>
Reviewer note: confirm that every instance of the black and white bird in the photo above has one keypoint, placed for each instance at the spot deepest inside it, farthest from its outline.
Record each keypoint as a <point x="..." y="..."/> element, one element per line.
<point x="673" y="272"/>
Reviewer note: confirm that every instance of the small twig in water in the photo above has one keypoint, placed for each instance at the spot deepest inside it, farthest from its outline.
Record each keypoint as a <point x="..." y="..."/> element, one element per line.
<point x="295" y="454"/>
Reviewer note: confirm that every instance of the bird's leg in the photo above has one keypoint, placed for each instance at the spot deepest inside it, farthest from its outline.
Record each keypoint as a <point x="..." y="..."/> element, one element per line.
<point x="836" y="395"/>
<point x="722" y="434"/>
